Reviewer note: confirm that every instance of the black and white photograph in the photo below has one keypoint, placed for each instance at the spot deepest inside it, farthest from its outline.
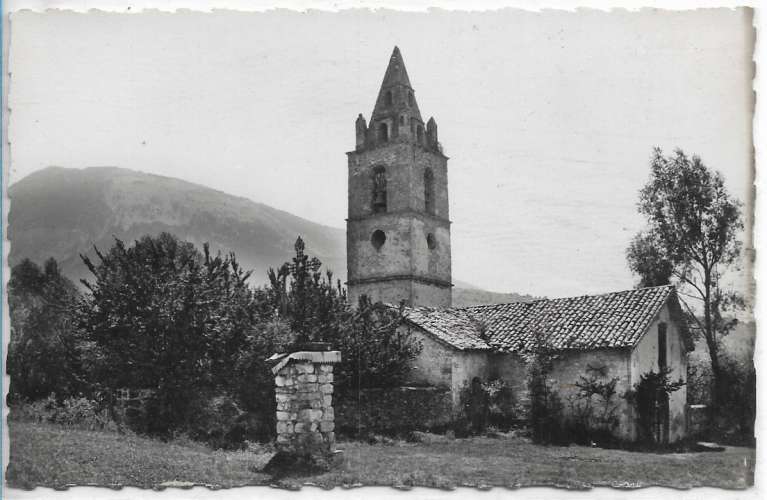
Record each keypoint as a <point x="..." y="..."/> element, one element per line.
<point x="434" y="248"/>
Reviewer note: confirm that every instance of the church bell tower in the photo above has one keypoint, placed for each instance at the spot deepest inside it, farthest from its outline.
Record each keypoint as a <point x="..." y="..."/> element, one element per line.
<point x="398" y="231"/>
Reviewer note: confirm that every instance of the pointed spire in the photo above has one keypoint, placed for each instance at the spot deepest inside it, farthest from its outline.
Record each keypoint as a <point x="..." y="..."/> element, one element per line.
<point x="396" y="93"/>
<point x="396" y="74"/>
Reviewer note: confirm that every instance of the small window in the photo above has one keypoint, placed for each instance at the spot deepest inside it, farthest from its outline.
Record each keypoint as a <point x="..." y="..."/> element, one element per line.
<point x="383" y="132"/>
<point x="409" y="98"/>
<point x="428" y="191"/>
<point x="379" y="189"/>
<point x="662" y="361"/>
<point x="431" y="241"/>
<point x="419" y="134"/>
<point x="389" y="98"/>
<point x="402" y="120"/>
<point x="378" y="239"/>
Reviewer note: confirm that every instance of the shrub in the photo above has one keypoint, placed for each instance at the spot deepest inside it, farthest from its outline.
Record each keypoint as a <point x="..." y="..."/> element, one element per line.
<point x="649" y="395"/>
<point x="72" y="413"/>
<point x="545" y="416"/>
<point x="593" y="409"/>
<point x="503" y="413"/>
<point x="486" y="403"/>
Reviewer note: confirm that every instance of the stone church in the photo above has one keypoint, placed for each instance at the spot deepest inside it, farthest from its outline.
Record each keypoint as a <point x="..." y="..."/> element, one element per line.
<point x="398" y="250"/>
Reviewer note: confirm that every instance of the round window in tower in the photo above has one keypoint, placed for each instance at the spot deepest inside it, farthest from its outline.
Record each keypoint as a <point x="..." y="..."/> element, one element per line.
<point x="378" y="239"/>
<point x="431" y="241"/>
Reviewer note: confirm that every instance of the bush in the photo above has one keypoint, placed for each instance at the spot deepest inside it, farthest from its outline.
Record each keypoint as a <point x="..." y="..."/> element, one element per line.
<point x="649" y="396"/>
<point x="593" y="409"/>
<point x="546" y="409"/>
<point x="486" y="403"/>
<point x="72" y="413"/>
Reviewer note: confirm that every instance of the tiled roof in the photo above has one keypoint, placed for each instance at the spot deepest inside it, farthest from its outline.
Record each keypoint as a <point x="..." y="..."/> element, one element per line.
<point x="612" y="320"/>
<point x="455" y="327"/>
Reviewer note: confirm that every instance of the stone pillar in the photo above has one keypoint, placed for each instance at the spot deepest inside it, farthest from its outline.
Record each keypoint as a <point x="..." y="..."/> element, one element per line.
<point x="304" y="392"/>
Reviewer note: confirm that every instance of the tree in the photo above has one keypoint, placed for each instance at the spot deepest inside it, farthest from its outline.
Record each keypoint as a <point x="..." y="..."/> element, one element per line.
<point x="162" y="316"/>
<point x="374" y="351"/>
<point x="315" y="308"/>
<point x="690" y="240"/>
<point x="42" y="355"/>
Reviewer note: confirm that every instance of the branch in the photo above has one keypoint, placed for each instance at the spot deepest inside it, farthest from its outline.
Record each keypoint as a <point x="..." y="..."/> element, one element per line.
<point x="688" y="281"/>
<point x="689" y="310"/>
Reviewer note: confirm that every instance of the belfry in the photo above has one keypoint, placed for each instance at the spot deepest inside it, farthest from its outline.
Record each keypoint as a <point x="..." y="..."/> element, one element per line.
<point x="398" y="230"/>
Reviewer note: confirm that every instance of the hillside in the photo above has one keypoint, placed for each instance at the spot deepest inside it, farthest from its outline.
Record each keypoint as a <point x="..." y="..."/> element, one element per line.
<point x="61" y="212"/>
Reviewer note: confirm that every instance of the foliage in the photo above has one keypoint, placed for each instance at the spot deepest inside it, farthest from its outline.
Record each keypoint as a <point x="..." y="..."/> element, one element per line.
<point x="253" y="382"/>
<point x="162" y="316"/>
<point x="690" y="240"/>
<point x="594" y="407"/>
<point x="72" y="413"/>
<point x="312" y="305"/>
<point x="486" y="403"/>
<point x="392" y="411"/>
<point x="648" y="396"/>
<point x="184" y="327"/>
<point x="374" y="351"/>
<point x="42" y="357"/>
<point x="546" y="408"/>
<point x="734" y="422"/>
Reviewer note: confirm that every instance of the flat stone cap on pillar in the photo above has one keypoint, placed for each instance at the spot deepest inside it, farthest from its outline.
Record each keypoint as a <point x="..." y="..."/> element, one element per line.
<point x="320" y="357"/>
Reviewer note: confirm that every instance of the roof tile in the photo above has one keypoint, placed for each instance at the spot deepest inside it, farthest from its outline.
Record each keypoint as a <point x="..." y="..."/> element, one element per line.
<point x="587" y="322"/>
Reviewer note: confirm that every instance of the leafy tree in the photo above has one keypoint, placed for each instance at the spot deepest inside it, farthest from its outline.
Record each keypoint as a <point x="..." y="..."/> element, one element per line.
<point x="160" y="315"/>
<point x="42" y="357"/>
<point x="313" y="306"/>
<point x="374" y="351"/>
<point x="690" y="240"/>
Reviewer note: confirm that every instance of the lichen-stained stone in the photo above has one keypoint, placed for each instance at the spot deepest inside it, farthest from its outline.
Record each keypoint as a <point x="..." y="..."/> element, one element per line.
<point x="326" y="388"/>
<point x="283" y="415"/>
<point x="327" y="400"/>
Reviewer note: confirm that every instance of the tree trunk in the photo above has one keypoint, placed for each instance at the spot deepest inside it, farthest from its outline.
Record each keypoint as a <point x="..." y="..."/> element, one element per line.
<point x="713" y="351"/>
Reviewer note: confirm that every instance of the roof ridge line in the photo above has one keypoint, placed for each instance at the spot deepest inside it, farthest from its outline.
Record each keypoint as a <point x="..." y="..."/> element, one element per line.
<point x="564" y="298"/>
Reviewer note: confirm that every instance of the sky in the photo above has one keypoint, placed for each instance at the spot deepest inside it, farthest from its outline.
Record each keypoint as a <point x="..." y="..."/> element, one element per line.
<point x="548" y="118"/>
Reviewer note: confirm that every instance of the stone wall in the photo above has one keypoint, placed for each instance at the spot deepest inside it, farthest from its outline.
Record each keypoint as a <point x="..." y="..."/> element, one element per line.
<point x="394" y="411"/>
<point x="304" y="393"/>
<point x="405" y="266"/>
<point x="434" y="364"/>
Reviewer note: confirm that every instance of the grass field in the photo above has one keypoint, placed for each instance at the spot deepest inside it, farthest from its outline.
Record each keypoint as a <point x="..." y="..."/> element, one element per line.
<point x="47" y="455"/>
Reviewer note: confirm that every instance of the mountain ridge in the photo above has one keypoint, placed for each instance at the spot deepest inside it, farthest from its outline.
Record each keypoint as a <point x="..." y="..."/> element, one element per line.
<point x="62" y="212"/>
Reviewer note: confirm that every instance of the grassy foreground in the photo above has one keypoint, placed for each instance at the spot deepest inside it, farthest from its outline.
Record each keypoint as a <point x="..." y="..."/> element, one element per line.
<point x="47" y="455"/>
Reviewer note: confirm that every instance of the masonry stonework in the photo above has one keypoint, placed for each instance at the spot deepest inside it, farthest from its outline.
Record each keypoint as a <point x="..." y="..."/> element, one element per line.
<point x="304" y="394"/>
<point x="398" y="228"/>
